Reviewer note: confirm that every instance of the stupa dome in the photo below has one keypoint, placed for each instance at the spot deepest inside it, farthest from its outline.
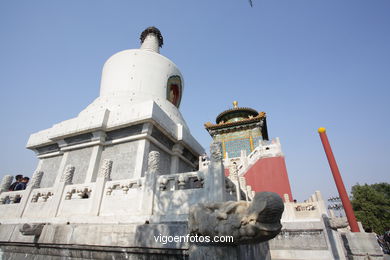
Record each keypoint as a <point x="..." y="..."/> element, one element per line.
<point x="143" y="74"/>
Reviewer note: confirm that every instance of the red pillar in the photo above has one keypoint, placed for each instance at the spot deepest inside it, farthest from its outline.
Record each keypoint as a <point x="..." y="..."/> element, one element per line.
<point x="339" y="181"/>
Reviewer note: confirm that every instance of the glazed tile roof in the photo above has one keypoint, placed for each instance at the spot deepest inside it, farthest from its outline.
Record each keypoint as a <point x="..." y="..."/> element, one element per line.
<point x="222" y="124"/>
<point x="243" y="111"/>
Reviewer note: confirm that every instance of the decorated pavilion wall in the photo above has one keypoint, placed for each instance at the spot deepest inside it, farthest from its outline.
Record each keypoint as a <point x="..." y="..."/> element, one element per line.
<point x="234" y="142"/>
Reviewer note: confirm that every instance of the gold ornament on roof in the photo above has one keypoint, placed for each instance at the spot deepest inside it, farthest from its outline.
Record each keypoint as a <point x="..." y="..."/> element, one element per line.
<point x="208" y="124"/>
<point x="235" y="104"/>
<point x="261" y="114"/>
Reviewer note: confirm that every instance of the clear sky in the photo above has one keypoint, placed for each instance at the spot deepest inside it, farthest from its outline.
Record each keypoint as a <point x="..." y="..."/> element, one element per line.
<point x="306" y="63"/>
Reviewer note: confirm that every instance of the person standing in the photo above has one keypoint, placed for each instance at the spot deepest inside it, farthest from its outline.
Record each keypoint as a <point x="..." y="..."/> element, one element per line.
<point x="23" y="184"/>
<point x="18" y="179"/>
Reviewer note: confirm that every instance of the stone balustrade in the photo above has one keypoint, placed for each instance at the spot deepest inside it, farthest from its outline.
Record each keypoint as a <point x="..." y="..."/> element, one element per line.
<point x="312" y="209"/>
<point x="203" y="162"/>
<point x="11" y="197"/>
<point x="78" y="191"/>
<point x="305" y="206"/>
<point x="41" y="195"/>
<point x="182" y="181"/>
<point x="176" y="193"/>
<point x="122" y="187"/>
<point x="76" y="200"/>
<point x="152" y="196"/>
<point x="10" y="203"/>
<point x="123" y="197"/>
<point x="39" y="202"/>
<point x="265" y="149"/>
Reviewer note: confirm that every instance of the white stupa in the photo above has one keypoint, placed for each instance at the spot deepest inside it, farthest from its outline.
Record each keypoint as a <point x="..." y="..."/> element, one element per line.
<point x="138" y="108"/>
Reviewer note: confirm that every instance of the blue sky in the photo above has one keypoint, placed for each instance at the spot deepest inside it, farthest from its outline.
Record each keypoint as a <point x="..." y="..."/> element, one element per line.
<point x="307" y="63"/>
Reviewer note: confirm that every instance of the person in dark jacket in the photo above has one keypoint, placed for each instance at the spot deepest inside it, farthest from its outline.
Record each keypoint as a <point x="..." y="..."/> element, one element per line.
<point x="23" y="184"/>
<point x="18" y="179"/>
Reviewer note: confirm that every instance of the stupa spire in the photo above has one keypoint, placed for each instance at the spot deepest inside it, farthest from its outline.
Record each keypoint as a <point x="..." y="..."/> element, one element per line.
<point x="151" y="39"/>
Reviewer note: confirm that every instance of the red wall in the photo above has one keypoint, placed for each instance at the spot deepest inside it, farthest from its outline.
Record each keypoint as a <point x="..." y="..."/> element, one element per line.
<point x="269" y="174"/>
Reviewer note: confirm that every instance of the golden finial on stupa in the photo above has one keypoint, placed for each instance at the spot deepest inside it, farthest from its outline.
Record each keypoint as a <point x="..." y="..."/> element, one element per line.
<point x="235" y="104"/>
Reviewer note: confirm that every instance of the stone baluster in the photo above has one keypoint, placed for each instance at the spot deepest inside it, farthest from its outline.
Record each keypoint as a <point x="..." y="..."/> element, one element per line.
<point x="66" y="179"/>
<point x="153" y="162"/>
<point x="103" y="176"/>
<point x="149" y="188"/>
<point x="25" y="196"/>
<point x="34" y="183"/>
<point x="182" y="180"/>
<point x="200" y="177"/>
<point x="215" y="177"/>
<point x="36" y="179"/>
<point x="216" y="152"/>
<point x="163" y="182"/>
<point x="105" y="170"/>
<point x="244" y="159"/>
<point x="67" y="176"/>
<point x="242" y="183"/>
<point x="286" y="197"/>
<point x="249" y="192"/>
<point x="5" y="183"/>
<point x="234" y="178"/>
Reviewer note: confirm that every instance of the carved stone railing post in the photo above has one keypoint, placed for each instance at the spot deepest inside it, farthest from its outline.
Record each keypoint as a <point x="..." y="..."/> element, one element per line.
<point x="234" y="172"/>
<point x="103" y="176"/>
<point x="249" y="193"/>
<point x="5" y="183"/>
<point x="153" y="162"/>
<point x="67" y="176"/>
<point x="66" y="179"/>
<point x="36" y="179"/>
<point x="286" y="197"/>
<point x="105" y="170"/>
<point x="234" y="177"/>
<point x="242" y="182"/>
<point x="215" y="177"/>
<point x="182" y="182"/>
<point x="216" y="152"/>
<point x="35" y="182"/>
<point x="149" y="190"/>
